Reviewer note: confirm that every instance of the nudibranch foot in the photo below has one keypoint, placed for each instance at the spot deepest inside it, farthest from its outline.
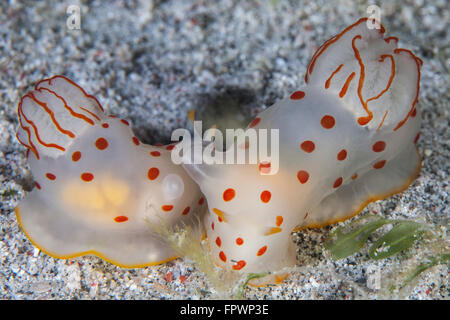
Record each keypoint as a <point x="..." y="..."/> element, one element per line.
<point x="99" y="190"/>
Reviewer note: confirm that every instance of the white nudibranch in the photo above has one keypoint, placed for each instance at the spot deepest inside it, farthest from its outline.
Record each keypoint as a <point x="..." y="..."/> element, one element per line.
<point x="96" y="185"/>
<point x="346" y="139"/>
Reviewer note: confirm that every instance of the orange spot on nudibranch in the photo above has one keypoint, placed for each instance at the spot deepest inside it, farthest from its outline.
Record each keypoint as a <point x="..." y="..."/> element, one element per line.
<point x="278" y="220"/>
<point x="222" y="256"/>
<point x="264" y="167"/>
<point x="121" y="219"/>
<point x="50" y="176"/>
<point x="37" y="185"/>
<point x="239" y="241"/>
<point x="101" y="143"/>
<point x="297" y="95"/>
<point x="273" y="230"/>
<point x="379" y="164"/>
<point x="155" y="153"/>
<point x="379" y="146"/>
<point x="218" y="242"/>
<point x="327" y="121"/>
<point x="302" y="176"/>
<point x="239" y="265"/>
<point x="105" y="125"/>
<point x="220" y="214"/>
<point x="76" y="156"/>
<point x="255" y="122"/>
<point x="201" y="201"/>
<point x="186" y="211"/>
<point x="308" y="146"/>
<point x="170" y="147"/>
<point x="153" y="173"/>
<point x="125" y="122"/>
<point x="265" y="196"/>
<point x="135" y="141"/>
<point x="229" y="194"/>
<point x="338" y="182"/>
<point x="87" y="176"/>
<point x="342" y="155"/>
<point x="261" y="251"/>
<point x="167" y="207"/>
<point x="354" y="176"/>
<point x="212" y="225"/>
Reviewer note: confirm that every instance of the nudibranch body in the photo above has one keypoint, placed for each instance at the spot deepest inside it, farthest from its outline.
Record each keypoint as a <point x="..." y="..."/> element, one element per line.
<point x="96" y="185"/>
<point x="346" y="139"/>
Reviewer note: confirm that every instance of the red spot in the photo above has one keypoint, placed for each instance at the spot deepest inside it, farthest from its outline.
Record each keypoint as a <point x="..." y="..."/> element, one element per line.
<point x="278" y="220"/>
<point x="218" y="241"/>
<point x="86" y="176"/>
<point x="222" y="256"/>
<point x="417" y="138"/>
<point x="101" y="143"/>
<point x="261" y="251"/>
<point x="105" y="125"/>
<point x="113" y="116"/>
<point x="297" y="95"/>
<point x="229" y="194"/>
<point x="212" y="226"/>
<point x="327" y="122"/>
<point x="239" y="241"/>
<point x="308" y="146"/>
<point x="170" y="147"/>
<point x="220" y="219"/>
<point x="354" y="176"/>
<point x="379" y="164"/>
<point x="50" y="176"/>
<point x="125" y="122"/>
<point x="155" y="153"/>
<point x="183" y="278"/>
<point x="338" y="182"/>
<point x="255" y="122"/>
<point x="37" y="185"/>
<point x="302" y="176"/>
<point x="121" y="219"/>
<point x="186" y="211"/>
<point x="135" y="141"/>
<point x="364" y="120"/>
<point x="167" y="207"/>
<point x="264" y="167"/>
<point x="201" y="201"/>
<point x="342" y="155"/>
<point x="153" y="173"/>
<point x="265" y="196"/>
<point x="379" y="146"/>
<point x="239" y="265"/>
<point x="169" y="276"/>
<point x="76" y="156"/>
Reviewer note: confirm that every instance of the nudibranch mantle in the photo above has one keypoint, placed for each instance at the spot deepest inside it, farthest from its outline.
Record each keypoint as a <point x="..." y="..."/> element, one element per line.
<point x="346" y="139"/>
<point x="97" y="187"/>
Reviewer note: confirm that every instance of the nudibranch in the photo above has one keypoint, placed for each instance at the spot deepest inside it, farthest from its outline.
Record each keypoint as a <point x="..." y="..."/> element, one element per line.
<point x="97" y="186"/>
<point x="346" y="139"/>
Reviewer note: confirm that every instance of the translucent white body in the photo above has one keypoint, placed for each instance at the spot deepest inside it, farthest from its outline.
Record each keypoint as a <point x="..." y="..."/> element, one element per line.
<point x="346" y="139"/>
<point x="98" y="188"/>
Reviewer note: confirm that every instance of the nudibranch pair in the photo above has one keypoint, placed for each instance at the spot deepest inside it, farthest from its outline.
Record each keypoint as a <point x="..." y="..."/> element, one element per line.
<point x="346" y="139"/>
<point x="97" y="187"/>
